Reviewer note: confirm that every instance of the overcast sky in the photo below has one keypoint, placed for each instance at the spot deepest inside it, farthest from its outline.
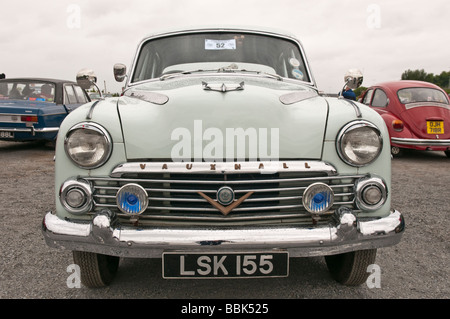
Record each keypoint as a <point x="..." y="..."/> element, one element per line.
<point x="50" y="38"/>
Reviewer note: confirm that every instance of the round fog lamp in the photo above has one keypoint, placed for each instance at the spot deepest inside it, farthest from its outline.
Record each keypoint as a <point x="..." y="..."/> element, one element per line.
<point x="318" y="198"/>
<point x="132" y="199"/>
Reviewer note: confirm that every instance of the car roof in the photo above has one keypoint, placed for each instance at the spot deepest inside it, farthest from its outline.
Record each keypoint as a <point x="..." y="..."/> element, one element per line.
<point x="59" y="81"/>
<point x="397" y="85"/>
<point x="222" y="28"/>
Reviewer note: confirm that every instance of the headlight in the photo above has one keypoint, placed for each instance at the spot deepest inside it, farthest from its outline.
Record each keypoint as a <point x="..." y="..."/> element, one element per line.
<point x="88" y="145"/>
<point x="359" y="143"/>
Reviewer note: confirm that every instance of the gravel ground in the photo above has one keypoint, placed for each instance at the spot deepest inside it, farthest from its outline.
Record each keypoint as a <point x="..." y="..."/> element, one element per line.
<point x="415" y="268"/>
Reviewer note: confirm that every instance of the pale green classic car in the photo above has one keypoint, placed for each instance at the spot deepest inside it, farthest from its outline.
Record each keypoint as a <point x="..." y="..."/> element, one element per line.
<point x="222" y="159"/>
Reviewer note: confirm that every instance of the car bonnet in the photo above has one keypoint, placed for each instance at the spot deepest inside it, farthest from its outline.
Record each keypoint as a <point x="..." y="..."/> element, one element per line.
<point x="161" y="119"/>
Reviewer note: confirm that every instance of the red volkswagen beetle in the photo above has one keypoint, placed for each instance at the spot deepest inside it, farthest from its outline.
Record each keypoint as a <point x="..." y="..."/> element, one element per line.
<point x="416" y="113"/>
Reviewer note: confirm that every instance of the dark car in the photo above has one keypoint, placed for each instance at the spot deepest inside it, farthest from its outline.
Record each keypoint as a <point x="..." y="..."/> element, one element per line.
<point x="416" y="113"/>
<point x="33" y="108"/>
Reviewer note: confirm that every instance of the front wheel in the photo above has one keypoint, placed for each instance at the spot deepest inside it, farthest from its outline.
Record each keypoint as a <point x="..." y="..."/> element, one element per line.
<point x="351" y="268"/>
<point x="96" y="270"/>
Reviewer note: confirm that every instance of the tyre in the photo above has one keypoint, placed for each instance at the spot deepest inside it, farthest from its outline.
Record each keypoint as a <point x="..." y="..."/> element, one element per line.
<point x="396" y="151"/>
<point x="351" y="268"/>
<point x="96" y="270"/>
<point x="447" y="153"/>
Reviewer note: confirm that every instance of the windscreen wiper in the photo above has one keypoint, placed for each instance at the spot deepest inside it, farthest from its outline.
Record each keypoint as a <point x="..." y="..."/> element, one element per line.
<point x="228" y="69"/>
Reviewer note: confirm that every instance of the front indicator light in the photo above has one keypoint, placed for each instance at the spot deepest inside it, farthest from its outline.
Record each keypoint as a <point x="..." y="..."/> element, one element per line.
<point x="318" y="198"/>
<point x="76" y="196"/>
<point x="371" y="193"/>
<point x="132" y="199"/>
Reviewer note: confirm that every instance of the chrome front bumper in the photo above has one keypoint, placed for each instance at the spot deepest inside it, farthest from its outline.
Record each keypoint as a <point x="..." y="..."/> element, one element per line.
<point x="101" y="235"/>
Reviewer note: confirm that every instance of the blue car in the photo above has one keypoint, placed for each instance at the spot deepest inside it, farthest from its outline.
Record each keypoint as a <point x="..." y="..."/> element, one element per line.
<point x="32" y="109"/>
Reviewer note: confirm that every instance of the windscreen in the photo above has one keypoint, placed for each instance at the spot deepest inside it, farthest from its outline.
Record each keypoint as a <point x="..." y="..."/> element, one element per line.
<point x="414" y="95"/>
<point x="226" y="51"/>
<point x="27" y="90"/>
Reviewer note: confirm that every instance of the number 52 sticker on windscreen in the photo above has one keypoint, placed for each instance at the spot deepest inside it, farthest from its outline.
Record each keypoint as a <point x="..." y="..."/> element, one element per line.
<point x="220" y="44"/>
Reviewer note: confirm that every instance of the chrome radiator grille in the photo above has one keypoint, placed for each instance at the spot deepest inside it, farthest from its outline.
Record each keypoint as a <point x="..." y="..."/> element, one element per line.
<point x="174" y="192"/>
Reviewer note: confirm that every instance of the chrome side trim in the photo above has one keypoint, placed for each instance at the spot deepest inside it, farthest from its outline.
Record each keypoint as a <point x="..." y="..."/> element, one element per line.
<point x="424" y="104"/>
<point x="421" y="142"/>
<point x="355" y="106"/>
<point x="91" y="110"/>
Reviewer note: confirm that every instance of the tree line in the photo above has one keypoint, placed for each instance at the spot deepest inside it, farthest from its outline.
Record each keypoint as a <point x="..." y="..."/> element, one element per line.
<point x="442" y="80"/>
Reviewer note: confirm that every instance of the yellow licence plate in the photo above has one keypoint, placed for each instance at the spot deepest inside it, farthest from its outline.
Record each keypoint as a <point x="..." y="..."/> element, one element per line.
<point x="435" y="127"/>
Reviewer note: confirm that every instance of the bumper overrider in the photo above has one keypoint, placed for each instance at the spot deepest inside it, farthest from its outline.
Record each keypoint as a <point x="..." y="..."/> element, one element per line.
<point x="104" y="235"/>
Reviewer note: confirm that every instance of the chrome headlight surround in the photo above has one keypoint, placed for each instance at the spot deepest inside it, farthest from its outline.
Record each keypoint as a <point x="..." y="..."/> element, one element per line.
<point x="88" y="145"/>
<point x="318" y="198"/>
<point x="359" y="143"/>
<point x="371" y="193"/>
<point x="132" y="199"/>
<point x="76" y="196"/>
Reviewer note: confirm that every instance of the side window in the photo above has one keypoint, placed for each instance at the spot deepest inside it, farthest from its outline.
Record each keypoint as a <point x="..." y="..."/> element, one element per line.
<point x="70" y="94"/>
<point x="379" y="99"/>
<point x="81" y="97"/>
<point x="368" y="97"/>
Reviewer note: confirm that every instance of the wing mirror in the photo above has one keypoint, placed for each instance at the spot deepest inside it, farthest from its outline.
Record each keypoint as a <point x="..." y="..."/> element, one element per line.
<point x="353" y="79"/>
<point x="86" y="78"/>
<point x="120" y="72"/>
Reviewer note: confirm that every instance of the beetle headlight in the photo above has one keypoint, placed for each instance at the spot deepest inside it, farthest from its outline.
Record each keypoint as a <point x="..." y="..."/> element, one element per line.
<point x="88" y="145"/>
<point x="359" y="143"/>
